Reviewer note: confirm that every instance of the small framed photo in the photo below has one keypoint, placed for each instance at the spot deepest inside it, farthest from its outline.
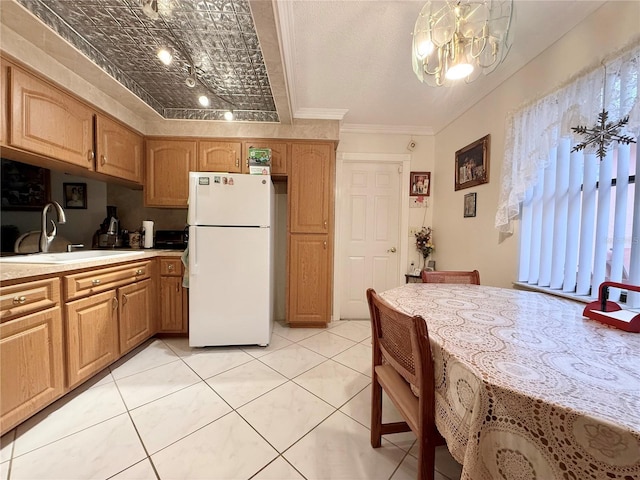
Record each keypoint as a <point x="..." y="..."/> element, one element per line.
<point x="470" y="205"/>
<point x="472" y="164"/>
<point x="75" y="195"/>
<point x="419" y="184"/>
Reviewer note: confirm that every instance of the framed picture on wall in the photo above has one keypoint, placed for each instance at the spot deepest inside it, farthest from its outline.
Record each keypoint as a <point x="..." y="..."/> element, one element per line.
<point x="472" y="164"/>
<point x="419" y="184"/>
<point x="75" y="195"/>
<point x="470" y="205"/>
<point x="24" y="187"/>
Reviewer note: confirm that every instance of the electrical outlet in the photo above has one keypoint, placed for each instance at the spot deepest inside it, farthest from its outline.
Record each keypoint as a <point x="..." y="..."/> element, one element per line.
<point x="413" y="231"/>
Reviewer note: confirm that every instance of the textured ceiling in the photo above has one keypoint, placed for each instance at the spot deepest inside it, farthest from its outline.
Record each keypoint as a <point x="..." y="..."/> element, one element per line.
<point x="327" y="59"/>
<point x="216" y="36"/>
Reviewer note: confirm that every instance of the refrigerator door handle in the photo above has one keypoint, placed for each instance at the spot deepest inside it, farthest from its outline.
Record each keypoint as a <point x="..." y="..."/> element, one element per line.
<point x="193" y="254"/>
<point x="193" y="200"/>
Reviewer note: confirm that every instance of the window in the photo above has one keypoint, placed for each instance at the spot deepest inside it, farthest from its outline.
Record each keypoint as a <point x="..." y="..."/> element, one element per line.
<point x="579" y="215"/>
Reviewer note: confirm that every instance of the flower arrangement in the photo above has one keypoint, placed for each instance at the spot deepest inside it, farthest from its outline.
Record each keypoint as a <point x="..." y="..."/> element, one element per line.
<point x="423" y="242"/>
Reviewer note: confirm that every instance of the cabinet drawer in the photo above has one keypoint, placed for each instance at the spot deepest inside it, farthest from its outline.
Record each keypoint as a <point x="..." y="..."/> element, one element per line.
<point x="30" y="297"/>
<point x="170" y="267"/>
<point x="96" y="281"/>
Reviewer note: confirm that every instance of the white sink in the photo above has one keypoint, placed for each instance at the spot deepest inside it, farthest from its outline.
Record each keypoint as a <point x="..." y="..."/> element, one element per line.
<point x="68" y="257"/>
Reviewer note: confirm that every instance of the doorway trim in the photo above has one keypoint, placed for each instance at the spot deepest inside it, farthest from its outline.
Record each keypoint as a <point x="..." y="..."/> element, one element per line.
<point x="403" y="161"/>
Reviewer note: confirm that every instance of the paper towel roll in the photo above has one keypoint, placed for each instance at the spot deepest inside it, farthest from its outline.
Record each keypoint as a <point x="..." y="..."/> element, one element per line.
<point x="147" y="227"/>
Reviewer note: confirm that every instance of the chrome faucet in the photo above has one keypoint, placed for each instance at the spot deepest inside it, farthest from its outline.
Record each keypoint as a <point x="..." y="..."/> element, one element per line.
<point x="46" y="239"/>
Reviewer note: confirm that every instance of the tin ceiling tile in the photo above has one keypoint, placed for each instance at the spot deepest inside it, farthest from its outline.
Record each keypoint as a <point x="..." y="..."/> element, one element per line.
<point x="217" y="36"/>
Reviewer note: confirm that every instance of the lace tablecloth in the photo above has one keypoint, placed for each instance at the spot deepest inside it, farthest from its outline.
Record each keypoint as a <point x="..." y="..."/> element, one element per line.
<point x="526" y="387"/>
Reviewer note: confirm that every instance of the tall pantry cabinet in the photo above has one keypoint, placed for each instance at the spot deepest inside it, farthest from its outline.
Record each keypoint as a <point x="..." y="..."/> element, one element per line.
<point x="310" y="234"/>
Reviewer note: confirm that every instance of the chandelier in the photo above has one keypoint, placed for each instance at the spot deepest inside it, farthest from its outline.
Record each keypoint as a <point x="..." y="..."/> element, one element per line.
<point x="460" y="39"/>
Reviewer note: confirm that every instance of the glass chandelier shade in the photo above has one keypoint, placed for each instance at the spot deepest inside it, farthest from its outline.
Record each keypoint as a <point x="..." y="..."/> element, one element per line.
<point x="460" y="39"/>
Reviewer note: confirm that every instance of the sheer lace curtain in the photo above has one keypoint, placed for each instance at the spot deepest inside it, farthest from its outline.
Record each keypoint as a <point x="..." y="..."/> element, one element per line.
<point x="536" y="128"/>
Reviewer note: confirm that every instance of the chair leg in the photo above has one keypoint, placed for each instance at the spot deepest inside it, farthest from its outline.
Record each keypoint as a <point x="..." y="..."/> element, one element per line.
<point x="426" y="460"/>
<point x="376" y="412"/>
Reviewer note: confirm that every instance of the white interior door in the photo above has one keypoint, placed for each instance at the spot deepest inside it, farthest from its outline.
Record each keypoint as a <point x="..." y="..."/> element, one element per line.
<point x="369" y="232"/>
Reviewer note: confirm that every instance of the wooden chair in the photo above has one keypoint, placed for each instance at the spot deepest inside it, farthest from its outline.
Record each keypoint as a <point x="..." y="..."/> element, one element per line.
<point x="402" y="341"/>
<point x="451" y="277"/>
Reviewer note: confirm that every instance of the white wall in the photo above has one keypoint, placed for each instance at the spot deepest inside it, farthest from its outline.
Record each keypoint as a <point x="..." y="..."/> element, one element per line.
<point x="422" y="160"/>
<point x="468" y="243"/>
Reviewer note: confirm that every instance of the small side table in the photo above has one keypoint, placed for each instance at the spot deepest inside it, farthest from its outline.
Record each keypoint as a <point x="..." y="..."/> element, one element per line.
<point x="409" y="278"/>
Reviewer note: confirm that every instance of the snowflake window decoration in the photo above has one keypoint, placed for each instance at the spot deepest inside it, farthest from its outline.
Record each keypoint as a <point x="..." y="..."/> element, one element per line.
<point x="602" y="134"/>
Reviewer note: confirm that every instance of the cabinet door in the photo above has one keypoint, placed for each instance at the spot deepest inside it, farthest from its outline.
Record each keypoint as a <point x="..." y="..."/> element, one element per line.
<point x="92" y="335"/>
<point x="4" y="109"/>
<point x="279" y="156"/>
<point x="309" y="283"/>
<point x="46" y="121"/>
<point x="167" y="172"/>
<point x="31" y="365"/>
<point x="136" y="322"/>
<point x="171" y="305"/>
<point x="219" y="157"/>
<point x="119" y="150"/>
<point x="311" y="188"/>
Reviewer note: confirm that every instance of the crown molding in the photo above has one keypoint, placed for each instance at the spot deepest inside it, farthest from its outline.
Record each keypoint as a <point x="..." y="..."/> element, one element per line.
<point x="386" y="129"/>
<point x="285" y="28"/>
<point x="321" y="113"/>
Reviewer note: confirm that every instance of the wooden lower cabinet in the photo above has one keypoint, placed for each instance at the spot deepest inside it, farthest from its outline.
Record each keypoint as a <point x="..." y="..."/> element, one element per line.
<point x="136" y="314"/>
<point x="32" y="365"/>
<point x="173" y="297"/>
<point x="92" y="335"/>
<point x="309" y="299"/>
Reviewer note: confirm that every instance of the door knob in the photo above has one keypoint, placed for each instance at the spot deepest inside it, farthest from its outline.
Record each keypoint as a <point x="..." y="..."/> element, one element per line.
<point x="392" y="250"/>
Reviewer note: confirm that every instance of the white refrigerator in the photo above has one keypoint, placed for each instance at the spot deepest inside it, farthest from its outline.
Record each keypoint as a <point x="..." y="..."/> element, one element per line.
<point x="230" y="259"/>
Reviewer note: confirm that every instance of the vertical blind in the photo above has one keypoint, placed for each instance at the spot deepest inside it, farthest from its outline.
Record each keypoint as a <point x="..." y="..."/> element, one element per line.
<point x="579" y="221"/>
<point x="579" y="215"/>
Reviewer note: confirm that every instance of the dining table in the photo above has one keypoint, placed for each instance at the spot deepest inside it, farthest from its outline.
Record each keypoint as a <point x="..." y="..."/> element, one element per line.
<point x="526" y="387"/>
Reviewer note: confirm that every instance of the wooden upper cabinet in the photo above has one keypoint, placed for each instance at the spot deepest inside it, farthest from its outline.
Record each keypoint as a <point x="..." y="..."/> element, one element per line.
<point x="118" y="149"/>
<point x="219" y="156"/>
<point x="46" y="121"/>
<point x="311" y="188"/>
<point x="279" y="156"/>
<point x="167" y="172"/>
<point x="4" y="109"/>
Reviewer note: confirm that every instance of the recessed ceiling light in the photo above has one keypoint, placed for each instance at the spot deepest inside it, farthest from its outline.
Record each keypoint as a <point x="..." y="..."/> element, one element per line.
<point x="228" y="115"/>
<point x="204" y="100"/>
<point x="165" y="56"/>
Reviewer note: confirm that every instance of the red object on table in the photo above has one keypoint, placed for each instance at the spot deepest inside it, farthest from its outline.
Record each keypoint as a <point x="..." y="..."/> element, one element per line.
<point x="597" y="310"/>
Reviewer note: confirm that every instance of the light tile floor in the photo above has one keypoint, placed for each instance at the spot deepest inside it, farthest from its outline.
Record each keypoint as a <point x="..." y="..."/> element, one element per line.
<point x="297" y="409"/>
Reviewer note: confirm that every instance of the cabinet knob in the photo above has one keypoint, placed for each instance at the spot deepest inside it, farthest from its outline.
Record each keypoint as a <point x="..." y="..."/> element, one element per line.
<point x="103" y="159"/>
<point x="171" y="267"/>
<point x="95" y="282"/>
<point x="124" y="299"/>
<point x="325" y="224"/>
<point x="19" y="300"/>
<point x="114" y="303"/>
<point x="91" y="156"/>
<point x="237" y="162"/>
<point x="324" y="244"/>
<point x="140" y="271"/>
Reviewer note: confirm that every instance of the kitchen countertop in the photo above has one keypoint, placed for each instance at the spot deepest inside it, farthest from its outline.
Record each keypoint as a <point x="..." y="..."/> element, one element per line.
<point x="24" y="271"/>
